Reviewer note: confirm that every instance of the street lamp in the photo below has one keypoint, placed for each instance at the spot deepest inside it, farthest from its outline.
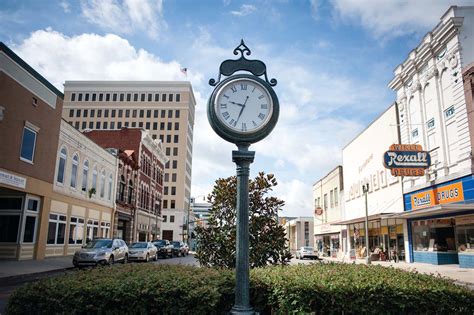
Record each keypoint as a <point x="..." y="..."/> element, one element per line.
<point x="365" y="189"/>
<point x="157" y="210"/>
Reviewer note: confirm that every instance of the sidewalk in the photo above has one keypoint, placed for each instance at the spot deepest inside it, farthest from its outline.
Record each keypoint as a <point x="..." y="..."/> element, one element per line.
<point x="10" y="268"/>
<point x="459" y="275"/>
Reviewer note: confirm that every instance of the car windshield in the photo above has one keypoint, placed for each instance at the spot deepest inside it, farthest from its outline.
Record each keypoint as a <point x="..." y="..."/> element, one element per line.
<point x="176" y="244"/>
<point x="160" y="243"/>
<point x="307" y="248"/>
<point x="99" y="244"/>
<point x="139" y="245"/>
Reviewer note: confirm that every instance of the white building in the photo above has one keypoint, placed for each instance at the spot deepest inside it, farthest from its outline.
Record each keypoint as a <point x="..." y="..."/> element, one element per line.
<point x="327" y="204"/>
<point x="435" y="111"/>
<point x="362" y="164"/>
<point x="299" y="232"/>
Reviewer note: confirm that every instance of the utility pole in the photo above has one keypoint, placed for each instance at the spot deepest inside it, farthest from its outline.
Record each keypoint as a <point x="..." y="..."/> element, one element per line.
<point x="365" y="189"/>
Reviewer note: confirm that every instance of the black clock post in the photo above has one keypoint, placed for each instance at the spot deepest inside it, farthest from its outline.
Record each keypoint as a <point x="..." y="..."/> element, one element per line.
<point x="243" y="137"/>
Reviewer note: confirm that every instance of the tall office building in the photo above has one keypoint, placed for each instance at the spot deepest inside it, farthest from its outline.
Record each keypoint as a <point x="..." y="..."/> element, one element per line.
<point x="165" y="109"/>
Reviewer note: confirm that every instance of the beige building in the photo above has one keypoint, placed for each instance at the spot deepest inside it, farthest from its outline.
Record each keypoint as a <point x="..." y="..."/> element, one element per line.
<point x="329" y="239"/>
<point x="165" y="109"/>
<point x="299" y="232"/>
<point x="30" y="115"/>
<point x="83" y="200"/>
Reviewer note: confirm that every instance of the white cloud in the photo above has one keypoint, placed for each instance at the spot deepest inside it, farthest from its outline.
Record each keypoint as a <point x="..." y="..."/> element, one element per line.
<point x="297" y="195"/>
<point x="245" y="9"/>
<point x="126" y="16"/>
<point x="65" y="5"/>
<point x="393" y="18"/>
<point x="315" y="8"/>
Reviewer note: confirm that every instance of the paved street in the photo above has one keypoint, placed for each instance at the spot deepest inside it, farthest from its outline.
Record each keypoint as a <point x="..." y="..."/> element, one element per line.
<point x="29" y="271"/>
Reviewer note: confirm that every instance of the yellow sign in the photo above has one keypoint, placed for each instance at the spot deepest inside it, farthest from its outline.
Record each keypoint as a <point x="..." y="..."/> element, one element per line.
<point x="438" y="196"/>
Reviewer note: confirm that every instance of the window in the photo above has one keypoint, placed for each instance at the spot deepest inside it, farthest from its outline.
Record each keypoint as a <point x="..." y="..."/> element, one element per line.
<point x="92" y="113"/>
<point x="76" y="230"/>
<point x="102" y="184"/>
<point x="114" y="97"/>
<point x="157" y="97"/>
<point x="173" y="191"/>
<point x="129" y="97"/>
<point x="170" y="114"/>
<point x="173" y="204"/>
<point x="135" y="97"/>
<point x="106" y="113"/>
<point x="168" y="138"/>
<point x="331" y="198"/>
<point x="73" y="97"/>
<point x="147" y="126"/>
<point x="119" y="125"/>
<point x="107" y="97"/>
<point x="112" y="125"/>
<point x="175" y="151"/>
<point x="165" y="190"/>
<point x="178" y="97"/>
<point x="134" y="113"/>
<point x="134" y="124"/>
<point x="9" y="221"/>
<point x="140" y="124"/>
<point x="79" y="97"/>
<point x="75" y="165"/>
<point x="171" y="218"/>
<point x="175" y="164"/>
<point x="155" y="113"/>
<point x="165" y="204"/>
<point x="168" y="151"/>
<point x="142" y="97"/>
<point x="165" y="218"/>
<point x="84" y="125"/>
<point x="56" y="229"/>
<point x="150" y="97"/>
<point x="87" y="97"/>
<point x="101" y="97"/>
<point x="105" y="125"/>
<point x="142" y="113"/>
<point x="448" y="113"/>
<point x="86" y="111"/>
<point x="127" y="113"/>
<point x="94" y="178"/>
<point x="336" y="197"/>
<point x="105" y="228"/>
<point x="97" y="125"/>
<point x="113" y="113"/>
<point x="162" y="126"/>
<point x="99" y="113"/>
<point x="148" y="113"/>
<point x="163" y="113"/>
<point x="170" y="97"/>
<point x="176" y="112"/>
<point x="176" y="126"/>
<point x="414" y="133"/>
<point x="92" y="229"/>
<point x="120" y="113"/>
<point x="130" y="192"/>
<point x="62" y="165"/>
<point x="169" y="126"/>
<point x="109" y="196"/>
<point x="121" y="195"/>
<point x="173" y="177"/>
<point x="167" y="177"/>
<point x="155" y="126"/>
<point x="85" y="172"/>
<point x="176" y="138"/>
<point x="94" y="97"/>
<point x="28" y="144"/>
<point x="163" y="97"/>
<point x="76" y="125"/>
<point x="91" y="125"/>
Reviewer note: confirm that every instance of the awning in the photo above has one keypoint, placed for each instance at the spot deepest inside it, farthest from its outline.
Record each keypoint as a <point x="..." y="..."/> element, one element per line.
<point x="435" y="210"/>
<point x="372" y="217"/>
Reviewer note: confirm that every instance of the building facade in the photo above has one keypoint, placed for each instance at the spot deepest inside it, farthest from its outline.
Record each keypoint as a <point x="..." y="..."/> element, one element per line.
<point x="165" y="109"/>
<point x="82" y="203"/>
<point x="299" y="232"/>
<point x="198" y="216"/>
<point x="435" y="111"/>
<point x="362" y="164"/>
<point x="30" y="116"/>
<point x="146" y="193"/>
<point x="329" y="239"/>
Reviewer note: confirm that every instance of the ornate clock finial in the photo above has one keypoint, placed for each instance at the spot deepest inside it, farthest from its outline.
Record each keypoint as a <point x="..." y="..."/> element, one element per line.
<point x="229" y="66"/>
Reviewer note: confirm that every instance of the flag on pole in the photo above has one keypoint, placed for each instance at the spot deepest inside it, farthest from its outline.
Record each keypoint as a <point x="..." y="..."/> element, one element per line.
<point x="184" y="71"/>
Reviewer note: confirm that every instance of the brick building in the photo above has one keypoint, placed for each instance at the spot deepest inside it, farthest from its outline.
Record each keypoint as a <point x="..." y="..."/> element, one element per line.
<point x="143" y="196"/>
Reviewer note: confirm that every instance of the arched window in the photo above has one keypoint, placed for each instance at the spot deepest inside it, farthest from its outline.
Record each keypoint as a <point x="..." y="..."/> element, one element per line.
<point x="122" y="188"/>
<point x="94" y="178"/>
<point x="62" y="165"/>
<point x="75" y="164"/>
<point x="102" y="184"/>
<point x="110" y="188"/>
<point x="130" y="192"/>
<point x="85" y="172"/>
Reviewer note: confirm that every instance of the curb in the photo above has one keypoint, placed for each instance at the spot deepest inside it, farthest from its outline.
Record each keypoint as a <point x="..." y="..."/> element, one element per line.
<point x="23" y="278"/>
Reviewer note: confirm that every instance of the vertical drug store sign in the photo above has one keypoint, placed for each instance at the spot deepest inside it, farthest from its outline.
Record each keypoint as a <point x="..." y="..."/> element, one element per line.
<point x="407" y="160"/>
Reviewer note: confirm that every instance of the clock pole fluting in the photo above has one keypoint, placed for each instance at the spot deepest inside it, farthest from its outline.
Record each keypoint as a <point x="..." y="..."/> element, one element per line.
<point x="243" y="109"/>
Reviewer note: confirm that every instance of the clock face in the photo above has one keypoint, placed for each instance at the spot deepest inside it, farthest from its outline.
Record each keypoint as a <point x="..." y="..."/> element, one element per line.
<point x="243" y="105"/>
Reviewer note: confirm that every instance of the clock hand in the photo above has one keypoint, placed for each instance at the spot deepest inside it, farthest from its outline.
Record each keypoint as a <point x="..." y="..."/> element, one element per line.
<point x="236" y="103"/>
<point x="243" y="106"/>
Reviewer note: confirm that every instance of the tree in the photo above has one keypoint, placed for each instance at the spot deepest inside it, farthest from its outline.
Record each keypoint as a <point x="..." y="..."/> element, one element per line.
<point x="216" y="242"/>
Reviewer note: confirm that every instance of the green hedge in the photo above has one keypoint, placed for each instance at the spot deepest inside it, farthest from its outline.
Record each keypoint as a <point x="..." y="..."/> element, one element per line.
<point x="168" y="289"/>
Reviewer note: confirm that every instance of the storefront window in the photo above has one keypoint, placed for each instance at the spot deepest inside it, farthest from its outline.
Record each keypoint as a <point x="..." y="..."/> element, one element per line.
<point x="76" y="230"/>
<point x="105" y="227"/>
<point x="465" y="234"/>
<point x="10" y="208"/>
<point x="92" y="229"/>
<point x="56" y="229"/>
<point x="433" y="235"/>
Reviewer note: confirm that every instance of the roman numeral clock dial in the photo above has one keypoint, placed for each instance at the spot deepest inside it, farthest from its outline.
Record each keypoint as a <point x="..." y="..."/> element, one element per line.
<point x="243" y="105"/>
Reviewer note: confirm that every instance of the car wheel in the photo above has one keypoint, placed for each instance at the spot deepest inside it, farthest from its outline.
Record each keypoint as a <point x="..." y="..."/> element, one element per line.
<point x="111" y="260"/>
<point x="147" y="259"/>
<point x="125" y="259"/>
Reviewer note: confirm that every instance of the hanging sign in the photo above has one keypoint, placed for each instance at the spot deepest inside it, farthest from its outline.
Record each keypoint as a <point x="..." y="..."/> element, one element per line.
<point x="407" y="160"/>
<point x="318" y="211"/>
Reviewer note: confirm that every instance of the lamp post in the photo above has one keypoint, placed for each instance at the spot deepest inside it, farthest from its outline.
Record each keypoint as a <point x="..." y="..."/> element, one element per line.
<point x="157" y="211"/>
<point x="365" y="189"/>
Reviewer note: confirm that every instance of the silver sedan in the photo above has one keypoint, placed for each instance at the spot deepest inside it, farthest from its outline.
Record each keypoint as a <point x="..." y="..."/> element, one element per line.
<point x="142" y="251"/>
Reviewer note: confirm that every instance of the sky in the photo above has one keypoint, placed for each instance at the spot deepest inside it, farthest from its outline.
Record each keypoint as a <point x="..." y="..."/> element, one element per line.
<point x="333" y="60"/>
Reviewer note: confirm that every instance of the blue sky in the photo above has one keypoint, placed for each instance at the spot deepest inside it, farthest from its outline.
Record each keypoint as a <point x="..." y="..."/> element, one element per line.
<point x="332" y="59"/>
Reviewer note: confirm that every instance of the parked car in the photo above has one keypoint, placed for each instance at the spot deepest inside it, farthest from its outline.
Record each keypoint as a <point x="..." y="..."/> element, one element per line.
<point x="306" y="252"/>
<point x="165" y="248"/>
<point x="143" y="251"/>
<point x="101" y="251"/>
<point x="180" y="248"/>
